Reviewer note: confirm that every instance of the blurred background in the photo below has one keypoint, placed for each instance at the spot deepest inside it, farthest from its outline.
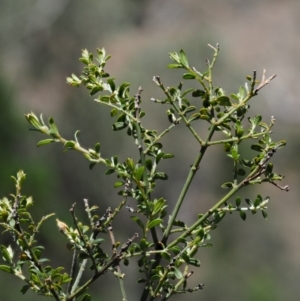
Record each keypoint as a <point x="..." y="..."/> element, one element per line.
<point x="40" y="43"/>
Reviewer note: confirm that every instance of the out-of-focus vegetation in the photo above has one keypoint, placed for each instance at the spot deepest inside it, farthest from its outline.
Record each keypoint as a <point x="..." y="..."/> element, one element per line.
<point x="41" y="40"/>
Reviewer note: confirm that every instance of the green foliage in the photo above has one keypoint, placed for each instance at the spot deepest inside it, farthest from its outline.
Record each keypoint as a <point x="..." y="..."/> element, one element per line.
<point x="166" y="248"/>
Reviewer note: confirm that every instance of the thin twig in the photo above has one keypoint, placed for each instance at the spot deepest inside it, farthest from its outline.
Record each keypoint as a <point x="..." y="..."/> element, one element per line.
<point x="264" y="81"/>
<point x="72" y="271"/>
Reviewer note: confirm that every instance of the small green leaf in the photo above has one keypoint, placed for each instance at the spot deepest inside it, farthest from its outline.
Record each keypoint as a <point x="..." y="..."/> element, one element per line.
<point x="188" y="76"/>
<point x="264" y="214"/>
<point x="114" y="160"/>
<point x="194" y="117"/>
<point x="109" y="171"/>
<point x="7" y="269"/>
<point x="227" y="185"/>
<point x="243" y="215"/>
<point x="204" y="117"/>
<point x="172" y="66"/>
<point x="123" y="88"/>
<point x="186" y="92"/>
<point x="97" y="147"/>
<point x="224" y="101"/>
<point x="113" y="112"/>
<point x="238" y="201"/>
<point x="149" y="164"/>
<point x="111" y="83"/>
<point x="179" y="223"/>
<point x="242" y="92"/>
<point x="142" y="114"/>
<point x="176" y="250"/>
<point x="257" y="120"/>
<point x="96" y="89"/>
<point x="130" y="163"/>
<point x="174" y="57"/>
<point x="198" y="93"/>
<point x="24" y="289"/>
<point x="43" y="260"/>
<point x="249" y="202"/>
<point x="118" y="184"/>
<point x="166" y="256"/>
<point x="182" y="240"/>
<point x="168" y="156"/>
<point x="201" y="232"/>
<point x="183" y="58"/>
<point x="87" y="56"/>
<point x="195" y="262"/>
<point x="158" y="205"/>
<point x="92" y="165"/>
<point x="117" y="126"/>
<point x="219" y="216"/>
<point x="160" y="176"/>
<point x="257" y="147"/>
<point x="258" y="200"/>
<point x="189" y="109"/>
<point x="53" y="127"/>
<point x="138" y="221"/>
<point x="234" y="96"/>
<point x="227" y="147"/>
<point x="70" y="144"/>
<point x="138" y="174"/>
<point x="159" y="156"/>
<point x="104" y="98"/>
<point x="141" y="280"/>
<point x="33" y="120"/>
<point x="241" y="172"/>
<point x="5" y="253"/>
<point x="246" y="163"/>
<point x="177" y="273"/>
<point x="45" y="141"/>
<point x="154" y="223"/>
<point x="158" y="145"/>
<point x="87" y="297"/>
<point x="144" y="244"/>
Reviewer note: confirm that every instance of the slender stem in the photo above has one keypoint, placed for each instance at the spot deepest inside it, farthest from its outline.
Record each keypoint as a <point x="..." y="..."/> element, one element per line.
<point x="214" y="208"/>
<point x="77" y="280"/>
<point x="177" y="285"/>
<point x="187" y="184"/>
<point x="199" y="77"/>
<point x="122" y="286"/>
<point x="100" y="272"/>
<point x="235" y="139"/>
<point x="79" y="149"/>
<point x="233" y="109"/>
<point x="88" y="211"/>
<point x="178" y="110"/>
<point x="72" y="272"/>
<point x="158" y="138"/>
<point x="82" y="238"/>
<point x="195" y="134"/>
<point x="160" y="283"/>
<point x="114" y="213"/>
<point x="113" y="243"/>
<point x="118" y="108"/>
<point x="143" y="156"/>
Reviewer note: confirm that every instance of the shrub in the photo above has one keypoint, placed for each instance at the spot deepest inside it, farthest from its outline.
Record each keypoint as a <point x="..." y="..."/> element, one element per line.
<point x="165" y="247"/>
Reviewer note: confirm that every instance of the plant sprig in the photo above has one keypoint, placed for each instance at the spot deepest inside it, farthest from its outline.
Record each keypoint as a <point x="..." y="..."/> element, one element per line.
<point x="166" y="249"/>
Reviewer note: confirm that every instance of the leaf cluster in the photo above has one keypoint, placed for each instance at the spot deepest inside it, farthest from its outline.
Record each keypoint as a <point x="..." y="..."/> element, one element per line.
<point x="166" y="248"/>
